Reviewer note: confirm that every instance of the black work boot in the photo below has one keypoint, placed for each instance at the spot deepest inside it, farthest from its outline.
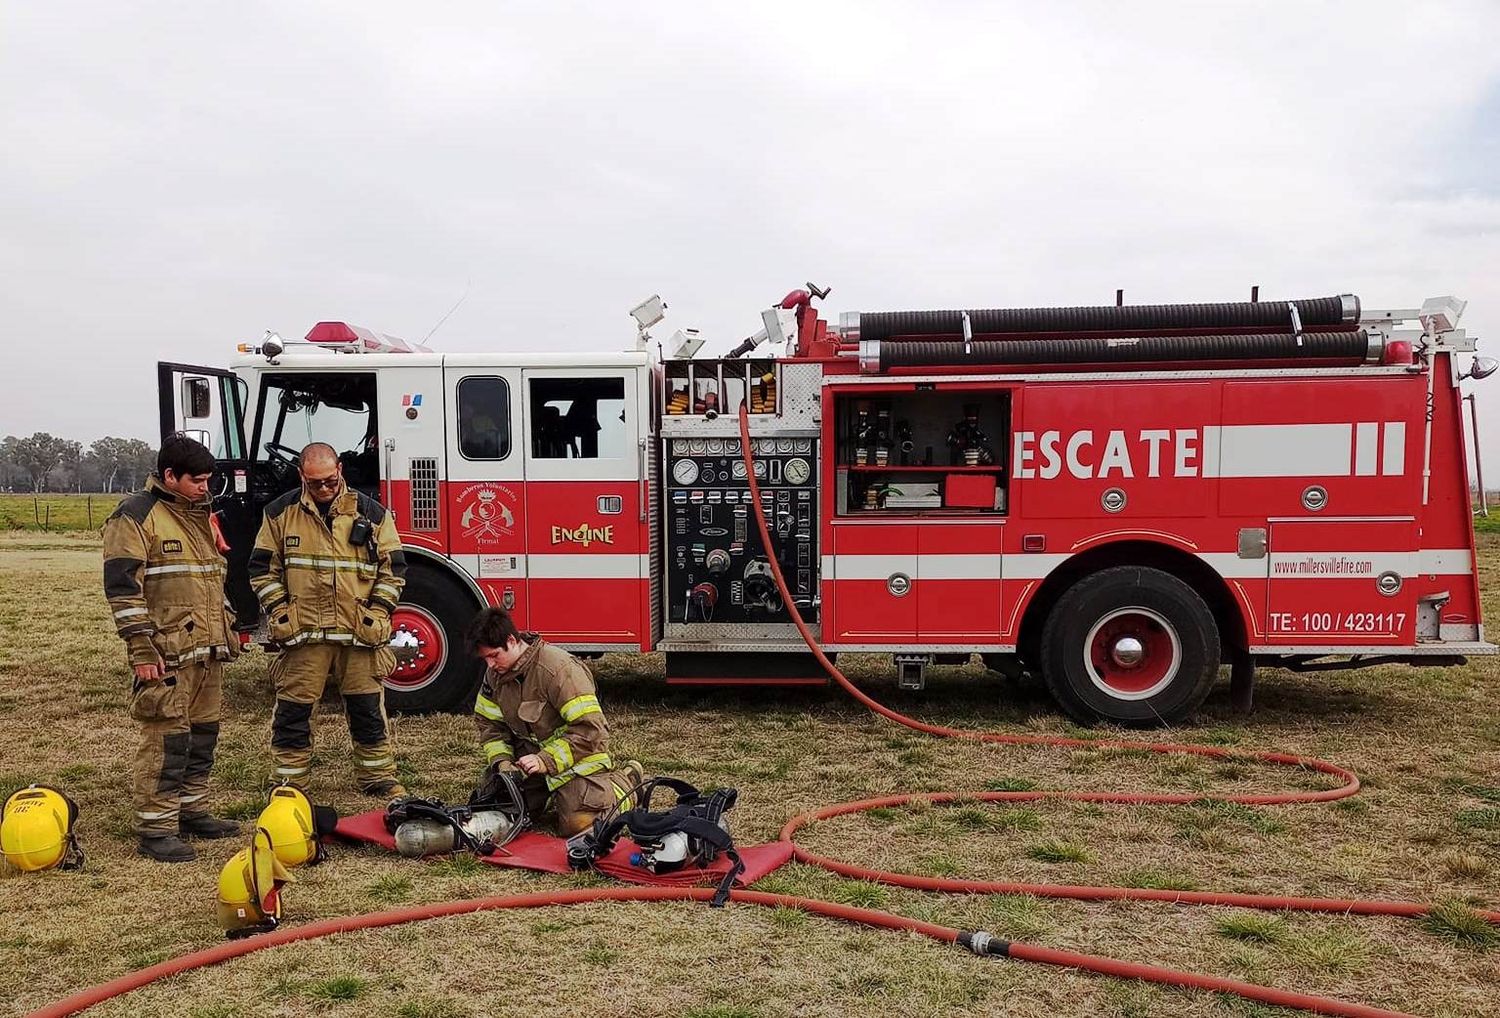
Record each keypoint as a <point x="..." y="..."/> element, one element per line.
<point x="386" y="790"/>
<point x="166" y="848"/>
<point x="202" y="825"/>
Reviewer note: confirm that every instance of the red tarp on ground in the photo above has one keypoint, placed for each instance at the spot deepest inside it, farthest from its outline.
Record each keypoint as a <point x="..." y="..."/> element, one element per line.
<point x="548" y="854"/>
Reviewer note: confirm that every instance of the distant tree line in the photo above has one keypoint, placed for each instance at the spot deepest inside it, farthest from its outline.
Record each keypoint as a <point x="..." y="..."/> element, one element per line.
<point x="45" y="462"/>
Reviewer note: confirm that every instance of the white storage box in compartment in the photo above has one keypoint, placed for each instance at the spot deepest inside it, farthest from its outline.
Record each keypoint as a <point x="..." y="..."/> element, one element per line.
<point x="914" y="495"/>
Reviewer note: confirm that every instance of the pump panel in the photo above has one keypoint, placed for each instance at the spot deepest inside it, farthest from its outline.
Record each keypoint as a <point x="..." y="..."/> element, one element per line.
<point x="718" y="569"/>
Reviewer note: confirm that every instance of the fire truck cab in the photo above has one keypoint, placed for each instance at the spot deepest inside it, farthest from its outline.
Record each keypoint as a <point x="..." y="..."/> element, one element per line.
<point x="1119" y="498"/>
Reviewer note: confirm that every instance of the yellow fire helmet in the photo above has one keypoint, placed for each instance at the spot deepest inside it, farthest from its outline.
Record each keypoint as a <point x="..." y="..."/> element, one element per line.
<point x="36" y="830"/>
<point x="250" y="889"/>
<point x="296" y="826"/>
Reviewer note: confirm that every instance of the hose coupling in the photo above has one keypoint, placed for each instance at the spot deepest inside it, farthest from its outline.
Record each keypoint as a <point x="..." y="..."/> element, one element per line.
<point x="983" y="943"/>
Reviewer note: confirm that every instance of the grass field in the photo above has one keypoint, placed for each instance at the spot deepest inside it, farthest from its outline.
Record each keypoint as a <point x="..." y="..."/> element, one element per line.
<point x="52" y="511"/>
<point x="1426" y="742"/>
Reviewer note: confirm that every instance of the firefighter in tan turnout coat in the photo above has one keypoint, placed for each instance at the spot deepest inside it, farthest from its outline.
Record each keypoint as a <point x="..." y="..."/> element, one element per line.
<point x="328" y="570"/>
<point x="164" y="579"/>
<point x="537" y="712"/>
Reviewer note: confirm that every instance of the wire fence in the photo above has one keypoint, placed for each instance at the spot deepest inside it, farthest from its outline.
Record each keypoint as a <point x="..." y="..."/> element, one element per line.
<point x="56" y="512"/>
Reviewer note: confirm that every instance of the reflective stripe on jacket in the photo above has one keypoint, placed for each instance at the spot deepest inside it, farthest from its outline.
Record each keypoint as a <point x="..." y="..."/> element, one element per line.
<point x="546" y="705"/>
<point x="316" y="587"/>
<point x="164" y="580"/>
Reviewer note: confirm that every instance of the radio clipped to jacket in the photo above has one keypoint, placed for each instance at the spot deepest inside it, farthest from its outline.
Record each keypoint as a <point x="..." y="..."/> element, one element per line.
<point x="362" y="535"/>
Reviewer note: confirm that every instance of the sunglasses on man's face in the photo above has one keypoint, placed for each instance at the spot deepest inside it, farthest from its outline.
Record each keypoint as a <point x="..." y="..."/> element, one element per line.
<point x="321" y="482"/>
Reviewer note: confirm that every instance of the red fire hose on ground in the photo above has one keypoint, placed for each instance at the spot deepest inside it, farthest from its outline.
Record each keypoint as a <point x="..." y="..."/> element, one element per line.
<point x="976" y="941"/>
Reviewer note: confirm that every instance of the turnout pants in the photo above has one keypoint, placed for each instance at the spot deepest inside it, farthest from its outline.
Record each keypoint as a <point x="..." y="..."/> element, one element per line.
<point x="179" y="718"/>
<point x="580" y="801"/>
<point x="300" y="675"/>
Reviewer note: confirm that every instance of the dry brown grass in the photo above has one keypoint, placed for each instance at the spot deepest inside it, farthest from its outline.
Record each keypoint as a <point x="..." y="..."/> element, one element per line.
<point x="1427" y="741"/>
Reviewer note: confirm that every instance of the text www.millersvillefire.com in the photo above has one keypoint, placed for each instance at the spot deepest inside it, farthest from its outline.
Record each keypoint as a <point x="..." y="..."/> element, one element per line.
<point x="1330" y="565"/>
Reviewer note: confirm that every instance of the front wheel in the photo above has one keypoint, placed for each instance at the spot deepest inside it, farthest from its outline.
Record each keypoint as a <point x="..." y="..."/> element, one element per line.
<point x="1132" y="645"/>
<point x="439" y="675"/>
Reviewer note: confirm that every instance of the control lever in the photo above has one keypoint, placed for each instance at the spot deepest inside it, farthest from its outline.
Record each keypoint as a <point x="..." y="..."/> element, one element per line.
<point x="784" y="523"/>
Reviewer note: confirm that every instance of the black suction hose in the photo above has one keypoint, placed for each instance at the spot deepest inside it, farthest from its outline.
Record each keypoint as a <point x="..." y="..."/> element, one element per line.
<point x="1342" y="346"/>
<point x="1321" y="312"/>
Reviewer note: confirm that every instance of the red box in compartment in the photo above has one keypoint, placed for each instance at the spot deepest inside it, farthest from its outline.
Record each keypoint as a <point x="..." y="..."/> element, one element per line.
<point x="968" y="491"/>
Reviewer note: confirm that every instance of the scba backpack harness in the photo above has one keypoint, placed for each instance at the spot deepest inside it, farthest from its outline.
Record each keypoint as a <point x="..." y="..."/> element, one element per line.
<point x="692" y="832"/>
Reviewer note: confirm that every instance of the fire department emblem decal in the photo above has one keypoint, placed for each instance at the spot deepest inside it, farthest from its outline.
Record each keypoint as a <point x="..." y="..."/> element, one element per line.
<point x="484" y="515"/>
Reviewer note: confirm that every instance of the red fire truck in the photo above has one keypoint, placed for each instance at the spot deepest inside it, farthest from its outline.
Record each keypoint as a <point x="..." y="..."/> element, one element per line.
<point x="1119" y="498"/>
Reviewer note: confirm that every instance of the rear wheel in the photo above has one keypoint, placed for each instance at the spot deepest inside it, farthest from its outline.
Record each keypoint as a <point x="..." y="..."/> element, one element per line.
<point x="434" y="611"/>
<point x="1132" y="645"/>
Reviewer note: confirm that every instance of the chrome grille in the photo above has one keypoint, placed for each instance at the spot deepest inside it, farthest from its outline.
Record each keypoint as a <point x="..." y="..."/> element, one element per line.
<point x="424" y="493"/>
<point x="654" y="529"/>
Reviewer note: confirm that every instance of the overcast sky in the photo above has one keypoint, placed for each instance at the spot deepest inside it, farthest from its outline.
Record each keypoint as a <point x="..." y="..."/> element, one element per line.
<point x="179" y="178"/>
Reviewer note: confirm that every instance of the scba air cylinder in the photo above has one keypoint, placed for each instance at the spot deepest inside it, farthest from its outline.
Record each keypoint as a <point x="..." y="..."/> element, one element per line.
<point x="418" y="838"/>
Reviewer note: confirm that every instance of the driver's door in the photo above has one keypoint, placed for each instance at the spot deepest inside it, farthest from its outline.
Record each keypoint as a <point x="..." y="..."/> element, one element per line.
<point x="208" y="404"/>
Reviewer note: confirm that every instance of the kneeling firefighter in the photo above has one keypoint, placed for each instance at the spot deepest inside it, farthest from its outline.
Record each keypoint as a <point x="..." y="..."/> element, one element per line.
<point x="538" y="714"/>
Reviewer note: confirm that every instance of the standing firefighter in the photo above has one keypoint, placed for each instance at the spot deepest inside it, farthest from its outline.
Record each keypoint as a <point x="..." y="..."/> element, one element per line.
<point x="328" y="569"/>
<point x="537" y="713"/>
<point x="164" y="578"/>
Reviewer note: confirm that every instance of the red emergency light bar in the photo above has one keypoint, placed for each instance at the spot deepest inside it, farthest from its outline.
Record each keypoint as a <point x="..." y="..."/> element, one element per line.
<point x="342" y="334"/>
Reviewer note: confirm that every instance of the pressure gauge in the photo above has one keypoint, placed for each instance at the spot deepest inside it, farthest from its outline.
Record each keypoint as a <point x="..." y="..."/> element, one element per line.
<point x="737" y="468"/>
<point x="760" y="468"/>
<point x="697" y="447"/>
<point x="732" y="446"/>
<point x="804" y="446"/>
<point x="785" y="445"/>
<point x="715" y="446"/>
<point x="797" y="470"/>
<point x="684" y="471"/>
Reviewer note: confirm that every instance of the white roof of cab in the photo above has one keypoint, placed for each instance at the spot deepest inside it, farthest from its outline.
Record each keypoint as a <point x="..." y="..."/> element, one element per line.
<point x="373" y="361"/>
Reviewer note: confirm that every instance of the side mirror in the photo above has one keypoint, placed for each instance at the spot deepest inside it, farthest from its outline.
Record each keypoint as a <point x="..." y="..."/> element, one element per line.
<point x="203" y="438"/>
<point x="197" y="399"/>
<point x="1482" y="367"/>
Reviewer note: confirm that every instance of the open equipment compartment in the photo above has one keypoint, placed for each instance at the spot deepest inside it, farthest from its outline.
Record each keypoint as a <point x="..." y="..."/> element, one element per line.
<point x="921" y="450"/>
<point x="713" y="387"/>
